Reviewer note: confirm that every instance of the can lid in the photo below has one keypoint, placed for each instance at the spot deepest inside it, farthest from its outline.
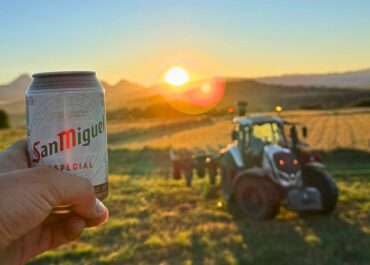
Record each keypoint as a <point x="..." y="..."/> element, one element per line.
<point x="65" y="80"/>
<point x="63" y="74"/>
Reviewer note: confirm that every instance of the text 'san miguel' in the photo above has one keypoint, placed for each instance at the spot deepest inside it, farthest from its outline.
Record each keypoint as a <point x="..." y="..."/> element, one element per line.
<point x="66" y="140"/>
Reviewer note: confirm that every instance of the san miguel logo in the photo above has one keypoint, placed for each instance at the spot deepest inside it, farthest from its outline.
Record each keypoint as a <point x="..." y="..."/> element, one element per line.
<point x="66" y="140"/>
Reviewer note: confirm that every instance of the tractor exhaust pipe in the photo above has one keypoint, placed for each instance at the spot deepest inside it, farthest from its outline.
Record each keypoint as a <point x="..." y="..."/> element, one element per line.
<point x="242" y="107"/>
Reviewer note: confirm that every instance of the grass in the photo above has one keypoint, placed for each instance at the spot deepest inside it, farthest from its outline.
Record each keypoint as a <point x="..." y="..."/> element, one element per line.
<point x="9" y="136"/>
<point x="157" y="220"/>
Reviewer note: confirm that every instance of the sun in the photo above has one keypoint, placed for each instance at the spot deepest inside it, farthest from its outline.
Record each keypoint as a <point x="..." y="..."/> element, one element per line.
<point x="176" y="76"/>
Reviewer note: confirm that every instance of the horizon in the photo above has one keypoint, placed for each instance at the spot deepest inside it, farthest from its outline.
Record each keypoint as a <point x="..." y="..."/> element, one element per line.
<point x="197" y="80"/>
<point x="141" y="40"/>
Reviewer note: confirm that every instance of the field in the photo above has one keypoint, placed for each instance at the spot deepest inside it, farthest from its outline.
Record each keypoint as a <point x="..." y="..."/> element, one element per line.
<point x="157" y="220"/>
<point x="328" y="130"/>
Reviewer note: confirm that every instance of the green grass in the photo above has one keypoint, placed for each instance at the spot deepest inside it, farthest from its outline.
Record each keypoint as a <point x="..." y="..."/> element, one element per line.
<point x="9" y="136"/>
<point x="155" y="220"/>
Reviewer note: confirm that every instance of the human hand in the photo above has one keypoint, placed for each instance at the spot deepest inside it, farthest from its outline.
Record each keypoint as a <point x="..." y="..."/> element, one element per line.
<point x="27" y="196"/>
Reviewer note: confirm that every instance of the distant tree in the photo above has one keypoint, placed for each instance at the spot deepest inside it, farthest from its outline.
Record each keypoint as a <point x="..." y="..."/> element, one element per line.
<point x="4" y="119"/>
<point x="361" y="103"/>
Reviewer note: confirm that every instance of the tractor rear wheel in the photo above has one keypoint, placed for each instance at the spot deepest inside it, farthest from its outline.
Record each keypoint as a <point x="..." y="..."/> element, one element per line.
<point x="258" y="198"/>
<point x="322" y="181"/>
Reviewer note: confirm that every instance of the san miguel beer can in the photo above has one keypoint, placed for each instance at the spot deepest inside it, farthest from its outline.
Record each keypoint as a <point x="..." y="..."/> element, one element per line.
<point x="66" y="126"/>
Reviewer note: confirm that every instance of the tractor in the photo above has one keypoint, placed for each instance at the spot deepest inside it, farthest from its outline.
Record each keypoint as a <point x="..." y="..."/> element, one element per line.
<point x="267" y="164"/>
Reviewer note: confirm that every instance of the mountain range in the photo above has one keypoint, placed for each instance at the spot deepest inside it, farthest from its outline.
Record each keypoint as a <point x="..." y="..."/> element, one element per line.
<point x="291" y="91"/>
<point x="353" y="79"/>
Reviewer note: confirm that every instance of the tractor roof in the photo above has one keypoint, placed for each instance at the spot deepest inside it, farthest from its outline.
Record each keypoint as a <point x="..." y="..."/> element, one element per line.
<point x="257" y="119"/>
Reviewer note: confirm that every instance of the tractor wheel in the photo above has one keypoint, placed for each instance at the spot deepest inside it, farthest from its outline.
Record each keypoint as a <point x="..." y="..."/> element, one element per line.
<point x="212" y="171"/>
<point x="201" y="171"/>
<point x="188" y="177"/>
<point x="257" y="198"/>
<point x="326" y="186"/>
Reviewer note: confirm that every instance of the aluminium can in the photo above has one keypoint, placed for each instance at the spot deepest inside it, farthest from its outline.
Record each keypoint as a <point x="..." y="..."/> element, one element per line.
<point x="66" y="126"/>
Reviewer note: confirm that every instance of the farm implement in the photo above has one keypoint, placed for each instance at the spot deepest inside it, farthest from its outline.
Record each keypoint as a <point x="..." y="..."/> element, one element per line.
<point x="186" y="161"/>
<point x="266" y="164"/>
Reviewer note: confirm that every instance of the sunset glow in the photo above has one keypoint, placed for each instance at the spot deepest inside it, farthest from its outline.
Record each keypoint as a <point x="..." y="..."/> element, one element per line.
<point x="198" y="97"/>
<point x="176" y="76"/>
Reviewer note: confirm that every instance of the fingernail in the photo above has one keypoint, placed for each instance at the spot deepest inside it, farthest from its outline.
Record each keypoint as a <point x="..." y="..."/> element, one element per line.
<point x="99" y="208"/>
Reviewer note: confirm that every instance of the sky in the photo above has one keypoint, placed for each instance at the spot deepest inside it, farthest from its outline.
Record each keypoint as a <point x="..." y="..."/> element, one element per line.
<point x="139" y="40"/>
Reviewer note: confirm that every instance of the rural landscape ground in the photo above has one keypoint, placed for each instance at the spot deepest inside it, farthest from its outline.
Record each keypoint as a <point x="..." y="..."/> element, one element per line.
<point x="157" y="220"/>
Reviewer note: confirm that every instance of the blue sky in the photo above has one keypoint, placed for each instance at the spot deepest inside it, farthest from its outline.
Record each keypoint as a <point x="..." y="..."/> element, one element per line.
<point x="138" y="40"/>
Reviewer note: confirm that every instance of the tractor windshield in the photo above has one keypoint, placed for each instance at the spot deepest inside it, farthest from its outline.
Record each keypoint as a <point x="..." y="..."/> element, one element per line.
<point x="269" y="132"/>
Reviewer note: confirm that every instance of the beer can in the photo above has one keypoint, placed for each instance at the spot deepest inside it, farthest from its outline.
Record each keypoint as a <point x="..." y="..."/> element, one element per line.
<point x="66" y="126"/>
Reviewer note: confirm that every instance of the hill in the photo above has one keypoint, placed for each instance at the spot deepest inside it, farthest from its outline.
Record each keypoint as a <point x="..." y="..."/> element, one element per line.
<point x="14" y="91"/>
<point x="12" y="94"/>
<point x="124" y="92"/>
<point x="261" y="96"/>
<point x="352" y="79"/>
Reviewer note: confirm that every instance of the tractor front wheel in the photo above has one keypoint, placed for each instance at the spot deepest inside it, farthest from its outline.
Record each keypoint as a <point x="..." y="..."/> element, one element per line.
<point x="322" y="181"/>
<point x="258" y="198"/>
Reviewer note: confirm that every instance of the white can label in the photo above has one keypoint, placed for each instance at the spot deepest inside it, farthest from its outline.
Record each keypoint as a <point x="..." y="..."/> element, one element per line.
<point x="67" y="130"/>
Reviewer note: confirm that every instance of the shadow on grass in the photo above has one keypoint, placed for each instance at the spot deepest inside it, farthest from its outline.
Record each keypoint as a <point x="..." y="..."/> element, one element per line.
<point x="308" y="239"/>
<point x="347" y="163"/>
<point x="345" y="156"/>
<point x="344" y="240"/>
<point x="72" y="256"/>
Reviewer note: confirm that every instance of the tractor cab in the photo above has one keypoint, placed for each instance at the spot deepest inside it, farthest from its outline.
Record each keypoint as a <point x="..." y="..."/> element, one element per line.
<point x="268" y="129"/>
<point x="252" y="134"/>
<point x="255" y="132"/>
<point x="257" y="129"/>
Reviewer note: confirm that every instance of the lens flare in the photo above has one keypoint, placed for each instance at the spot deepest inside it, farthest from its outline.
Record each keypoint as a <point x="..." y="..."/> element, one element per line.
<point x="206" y="88"/>
<point x="197" y="97"/>
<point x="230" y="110"/>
